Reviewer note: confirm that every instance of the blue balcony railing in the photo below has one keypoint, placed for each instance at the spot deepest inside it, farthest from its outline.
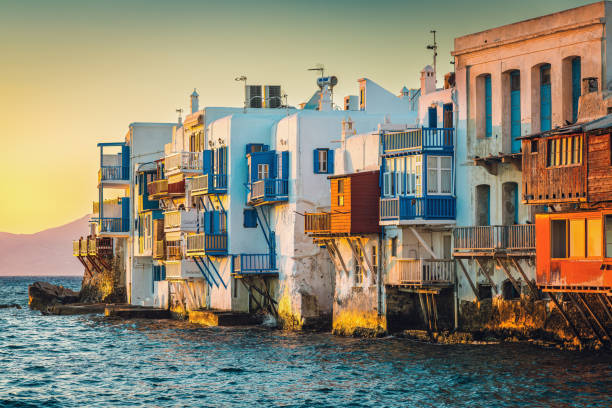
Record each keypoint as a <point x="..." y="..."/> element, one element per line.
<point x="111" y="173"/>
<point x="269" y="190"/>
<point x="207" y="244"/>
<point x="439" y="139"/>
<point x="254" y="264"/>
<point x="209" y="184"/>
<point x="112" y="224"/>
<point x="411" y="208"/>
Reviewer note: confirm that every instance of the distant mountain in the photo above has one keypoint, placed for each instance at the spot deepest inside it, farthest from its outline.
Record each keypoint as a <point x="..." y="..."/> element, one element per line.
<point x="47" y="252"/>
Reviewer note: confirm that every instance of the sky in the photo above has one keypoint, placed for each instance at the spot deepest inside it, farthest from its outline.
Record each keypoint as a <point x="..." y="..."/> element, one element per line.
<point x="75" y="73"/>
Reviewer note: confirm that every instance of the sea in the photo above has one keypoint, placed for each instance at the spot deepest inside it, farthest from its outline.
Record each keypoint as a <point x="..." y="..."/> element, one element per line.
<point x="87" y="361"/>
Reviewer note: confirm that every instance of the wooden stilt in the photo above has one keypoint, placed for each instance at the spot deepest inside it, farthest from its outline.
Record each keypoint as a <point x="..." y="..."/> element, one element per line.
<point x="425" y="314"/>
<point x="604" y="305"/>
<point x="593" y="315"/>
<point x="567" y="320"/>
<point x="467" y="276"/>
<point x="365" y="256"/>
<point x="584" y="317"/>
<point x="355" y="254"/>
<point x="435" y="310"/>
<point x="509" y="275"/>
<point x="486" y="273"/>
<point x="337" y="251"/>
<point x="429" y="313"/>
<point x="96" y="267"/>
<point x="533" y="289"/>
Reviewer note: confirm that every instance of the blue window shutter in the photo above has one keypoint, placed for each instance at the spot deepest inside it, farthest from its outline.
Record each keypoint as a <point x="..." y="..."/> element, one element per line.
<point x="433" y="117"/>
<point x="207" y="161"/>
<point x="315" y="163"/>
<point x="250" y="218"/>
<point x="488" y="107"/>
<point x="330" y="161"/>
<point x="285" y="165"/>
<point x="576" y="74"/>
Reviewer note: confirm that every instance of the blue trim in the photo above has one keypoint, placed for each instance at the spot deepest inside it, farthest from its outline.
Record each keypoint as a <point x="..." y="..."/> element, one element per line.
<point x="202" y="271"/>
<point x="488" y="107"/>
<point x="576" y="75"/>
<point x="216" y="271"/>
<point x="515" y="113"/>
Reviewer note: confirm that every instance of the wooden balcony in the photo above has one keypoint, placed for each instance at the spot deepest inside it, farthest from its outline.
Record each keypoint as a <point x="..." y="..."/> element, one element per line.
<point x="93" y="247"/>
<point x="209" y="184"/>
<point x="254" y="264"/>
<point x="496" y="239"/>
<point x="207" y="244"/>
<point x="422" y="272"/>
<point x="173" y="251"/>
<point x="157" y="189"/>
<point x="184" y="162"/>
<point x="435" y="139"/>
<point x="417" y="208"/>
<point x="159" y="249"/>
<point x="180" y="220"/>
<point x="112" y="225"/>
<point x="182" y="269"/>
<point x="317" y="223"/>
<point x="268" y="191"/>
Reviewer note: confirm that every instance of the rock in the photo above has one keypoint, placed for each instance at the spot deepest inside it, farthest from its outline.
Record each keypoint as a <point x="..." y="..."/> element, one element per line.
<point x="15" y="305"/>
<point x="43" y="294"/>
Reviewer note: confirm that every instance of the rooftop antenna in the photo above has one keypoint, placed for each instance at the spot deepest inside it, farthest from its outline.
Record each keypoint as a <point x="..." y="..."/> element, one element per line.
<point x="243" y="78"/>
<point x="318" y="67"/>
<point x="434" y="47"/>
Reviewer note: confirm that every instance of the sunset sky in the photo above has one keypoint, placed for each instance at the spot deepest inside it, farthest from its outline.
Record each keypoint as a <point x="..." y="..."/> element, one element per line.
<point x="75" y="73"/>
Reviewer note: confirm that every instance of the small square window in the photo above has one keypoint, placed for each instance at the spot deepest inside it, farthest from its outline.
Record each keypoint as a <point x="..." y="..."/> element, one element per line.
<point x="534" y="146"/>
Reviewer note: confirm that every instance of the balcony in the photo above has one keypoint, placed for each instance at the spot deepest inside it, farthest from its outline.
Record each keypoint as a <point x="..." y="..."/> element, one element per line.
<point x="173" y="251"/>
<point x="417" y="208"/>
<point x="183" y="162"/>
<point x="494" y="239"/>
<point x="93" y="247"/>
<point x="157" y="189"/>
<point x="422" y="272"/>
<point x="207" y="244"/>
<point x="112" y="225"/>
<point x="317" y="223"/>
<point x="254" y="264"/>
<point x="209" y="184"/>
<point x="432" y="139"/>
<point x="158" y="249"/>
<point x="180" y="220"/>
<point x="183" y="269"/>
<point x="268" y="191"/>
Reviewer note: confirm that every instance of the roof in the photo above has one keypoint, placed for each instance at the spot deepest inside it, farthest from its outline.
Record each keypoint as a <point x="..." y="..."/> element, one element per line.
<point x="359" y="173"/>
<point x="601" y="123"/>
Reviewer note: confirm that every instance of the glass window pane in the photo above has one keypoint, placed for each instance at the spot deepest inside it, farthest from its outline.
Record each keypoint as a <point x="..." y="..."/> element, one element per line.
<point x="608" y="235"/>
<point x="594" y="238"/>
<point x="577" y="238"/>
<point x="446" y="162"/>
<point x="432" y="181"/>
<point x="446" y="182"/>
<point x="558" y="238"/>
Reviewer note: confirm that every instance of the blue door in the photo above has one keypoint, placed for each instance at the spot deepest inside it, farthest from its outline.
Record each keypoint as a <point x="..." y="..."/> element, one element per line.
<point x="515" y="110"/>
<point x="545" y="102"/>
<point x="516" y="203"/>
<point x="576" y="73"/>
<point x="433" y="117"/>
<point x="488" y="107"/>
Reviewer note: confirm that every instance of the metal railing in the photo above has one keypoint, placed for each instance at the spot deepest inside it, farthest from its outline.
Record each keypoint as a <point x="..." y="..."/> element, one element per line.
<point x="107" y="173"/>
<point x="207" y="243"/>
<point x="407" y="208"/>
<point x="114" y="224"/>
<point x="157" y="187"/>
<point x="415" y="139"/>
<point x="213" y="183"/>
<point x="422" y="272"/>
<point x="269" y="189"/>
<point x="495" y="237"/>
<point x="254" y="264"/>
<point x="184" y="161"/>
<point x="317" y="222"/>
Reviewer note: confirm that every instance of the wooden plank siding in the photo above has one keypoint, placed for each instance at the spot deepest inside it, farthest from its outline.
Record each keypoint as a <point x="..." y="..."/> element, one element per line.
<point x="359" y="214"/>
<point x="599" y="168"/>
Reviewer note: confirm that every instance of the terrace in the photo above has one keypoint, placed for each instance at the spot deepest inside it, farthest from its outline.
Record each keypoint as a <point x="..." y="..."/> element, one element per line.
<point x="254" y="264"/>
<point x="422" y="272"/>
<point x="402" y="208"/>
<point x="183" y="162"/>
<point x="495" y="239"/>
<point x="209" y="184"/>
<point x="418" y="140"/>
<point x="180" y="220"/>
<point x="268" y="191"/>
<point x="207" y="244"/>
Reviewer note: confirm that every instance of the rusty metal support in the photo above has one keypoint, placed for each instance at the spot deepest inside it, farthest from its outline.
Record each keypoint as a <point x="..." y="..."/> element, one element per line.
<point x="509" y="275"/>
<point x="593" y="315"/>
<point x="467" y="276"/>
<point x="584" y="317"/>
<point x="534" y="290"/>
<point x="486" y="273"/>
<point x="565" y="316"/>
<point x="95" y="265"/>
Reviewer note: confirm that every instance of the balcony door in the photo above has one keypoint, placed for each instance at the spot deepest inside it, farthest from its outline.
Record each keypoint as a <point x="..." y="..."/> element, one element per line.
<point x="545" y="98"/>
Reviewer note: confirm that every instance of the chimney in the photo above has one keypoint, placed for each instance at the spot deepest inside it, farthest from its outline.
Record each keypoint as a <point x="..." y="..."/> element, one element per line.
<point x="428" y="80"/>
<point x="194" y="101"/>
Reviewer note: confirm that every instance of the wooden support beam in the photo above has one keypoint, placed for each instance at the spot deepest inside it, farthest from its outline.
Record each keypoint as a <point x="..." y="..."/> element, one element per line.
<point x="423" y="243"/>
<point x="355" y="253"/>
<point x="271" y="300"/>
<point x="593" y="315"/>
<point x="330" y="251"/>
<point x="425" y="314"/>
<point x="486" y="273"/>
<point x="365" y="255"/>
<point x="190" y="297"/>
<point x="435" y="310"/>
<point x="467" y="276"/>
<point x="534" y="290"/>
<point x="604" y="304"/>
<point x="567" y="320"/>
<point x="337" y="251"/>
<point x="584" y="317"/>
<point x="95" y="265"/>
<point x="509" y="275"/>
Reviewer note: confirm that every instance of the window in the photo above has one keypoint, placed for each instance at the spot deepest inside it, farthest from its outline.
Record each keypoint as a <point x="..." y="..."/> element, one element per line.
<point x="558" y="238"/>
<point x="262" y="171"/>
<point x="249" y="218"/>
<point x="545" y="98"/>
<point x="439" y="180"/>
<point x="375" y="258"/>
<point x="577" y="248"/>
<point x="608" y="235"/>
<point x="340" y="192"/>
<point x="357" y="268"/>
<point x="394" y="246"/>
<point x="488" y="107"/>
<point x="564" y="151"/>
<point x="593" y="238"/>
<point x="534" y="146"/>
<point x="323" y="161"/>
